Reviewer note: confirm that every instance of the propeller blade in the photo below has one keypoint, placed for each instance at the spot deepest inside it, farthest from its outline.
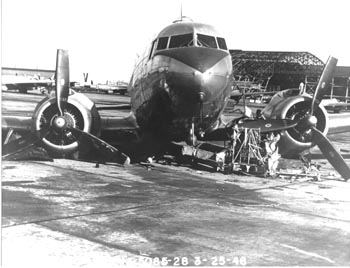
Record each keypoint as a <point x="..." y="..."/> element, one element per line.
<point x="332" y="155"/>
<point x="265" y="126"/>
<point x="14" y="148"/>
<point x="105" y="151"/>
<point x="268" y="125"/>
<point x="323" y="83"/>
<point x="62" y="79"/>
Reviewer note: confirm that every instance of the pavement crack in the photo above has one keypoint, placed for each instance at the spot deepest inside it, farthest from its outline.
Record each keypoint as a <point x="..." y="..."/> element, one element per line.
<point x="95" y="213"/>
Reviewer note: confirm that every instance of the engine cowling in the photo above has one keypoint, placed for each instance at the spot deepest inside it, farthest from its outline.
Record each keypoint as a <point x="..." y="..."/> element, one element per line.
<point x="293" y="141"/>
<point x="80" y="113"/>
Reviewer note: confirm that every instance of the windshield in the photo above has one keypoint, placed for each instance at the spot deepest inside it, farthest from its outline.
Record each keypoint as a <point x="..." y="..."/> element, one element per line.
<point x="186" y="40"/>
<point x="206" y="41"/>
<point x="222" y="43"/>
<point x="162" y="43"/>
<point x="182" y="40"/>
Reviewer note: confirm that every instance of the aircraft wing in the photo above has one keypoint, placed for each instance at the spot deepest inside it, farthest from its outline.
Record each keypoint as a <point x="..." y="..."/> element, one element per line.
<point x="18" y="123"/>
<point x="24" y="123"/>
<point x="111" y="128"/>
<point x="114" y="107"/>
<point x="66" y="124"/>
<point x="119" y="123"/>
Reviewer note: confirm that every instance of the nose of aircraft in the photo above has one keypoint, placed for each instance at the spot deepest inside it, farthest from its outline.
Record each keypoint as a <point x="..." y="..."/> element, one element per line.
<point x="198" y="81"/>
<point x="198" y="71"/>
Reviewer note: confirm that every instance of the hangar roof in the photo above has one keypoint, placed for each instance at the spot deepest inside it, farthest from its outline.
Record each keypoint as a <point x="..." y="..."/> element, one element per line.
<point x="276" y="62"/>
<point x="276" y="68"/>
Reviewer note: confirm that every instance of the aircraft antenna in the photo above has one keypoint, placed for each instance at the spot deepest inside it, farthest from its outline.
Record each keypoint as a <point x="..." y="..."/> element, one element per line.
<point x="181" y="12"/>
<point x="182" y="17"/>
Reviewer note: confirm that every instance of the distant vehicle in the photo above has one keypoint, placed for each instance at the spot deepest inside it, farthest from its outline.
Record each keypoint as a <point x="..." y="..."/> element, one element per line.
<point x="120" y="87"/>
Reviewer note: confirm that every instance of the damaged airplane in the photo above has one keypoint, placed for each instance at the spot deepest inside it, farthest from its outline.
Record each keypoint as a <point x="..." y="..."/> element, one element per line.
<point x="178" y="91"/>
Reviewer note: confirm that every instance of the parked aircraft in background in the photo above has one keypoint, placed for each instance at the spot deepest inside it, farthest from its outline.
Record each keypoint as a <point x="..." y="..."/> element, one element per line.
<point x="178" y="91"/>
<point x="113" y="87"/>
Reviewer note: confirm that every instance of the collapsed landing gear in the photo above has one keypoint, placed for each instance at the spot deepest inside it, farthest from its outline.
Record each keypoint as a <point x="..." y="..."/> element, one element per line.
<point x="192" y="138"/>
<point x="248" y="151"/>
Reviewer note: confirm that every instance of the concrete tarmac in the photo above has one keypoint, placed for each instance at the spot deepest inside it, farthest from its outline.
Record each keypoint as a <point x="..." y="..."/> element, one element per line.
<point x="69" y="214"/>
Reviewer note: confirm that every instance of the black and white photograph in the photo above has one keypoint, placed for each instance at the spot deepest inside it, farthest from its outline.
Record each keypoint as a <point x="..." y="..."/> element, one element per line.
<point x="175" y="133"/>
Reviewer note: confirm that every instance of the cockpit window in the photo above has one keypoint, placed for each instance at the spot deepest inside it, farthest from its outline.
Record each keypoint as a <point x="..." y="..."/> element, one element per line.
<point x="182" y="40"/>
<point x="206" y="41"/>
<point x="162" y="43"/>
<point x="222" y="43"/>
<point x="152" y="49"/>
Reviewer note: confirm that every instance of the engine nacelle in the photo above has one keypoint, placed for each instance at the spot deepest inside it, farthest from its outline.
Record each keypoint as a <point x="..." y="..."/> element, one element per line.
<point x="80" y="113"/>
<point x="293" y="141"/>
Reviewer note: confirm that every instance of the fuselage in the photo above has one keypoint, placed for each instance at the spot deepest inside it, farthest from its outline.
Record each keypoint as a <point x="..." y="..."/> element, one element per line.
<point x="185" y="76"/>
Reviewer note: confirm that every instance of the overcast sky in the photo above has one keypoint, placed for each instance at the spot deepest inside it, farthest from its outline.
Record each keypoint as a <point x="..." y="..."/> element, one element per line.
<point x="104" y="36"/>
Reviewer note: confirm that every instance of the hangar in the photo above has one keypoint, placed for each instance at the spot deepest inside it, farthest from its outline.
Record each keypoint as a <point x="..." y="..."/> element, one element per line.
<point x="341" y="82"/>
<point x="274" y="70"/>
<point x="266" y="71"/>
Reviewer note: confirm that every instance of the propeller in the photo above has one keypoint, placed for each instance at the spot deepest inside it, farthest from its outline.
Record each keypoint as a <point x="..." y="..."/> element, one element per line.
<point x="307" y="125"/>
<point x="105" y="151"/>
<point x="60" y="122"/>
<point x="62" y="79"/>
<point x="332" y="155"/>
<point x="63" y="127"/>
<point x="324" y="83"/>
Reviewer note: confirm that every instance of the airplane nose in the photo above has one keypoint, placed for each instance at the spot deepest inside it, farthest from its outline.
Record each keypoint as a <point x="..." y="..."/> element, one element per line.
<point x="197" y="70"/>
<point x="197" y="82"/>
<point x="199" y="58"/>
